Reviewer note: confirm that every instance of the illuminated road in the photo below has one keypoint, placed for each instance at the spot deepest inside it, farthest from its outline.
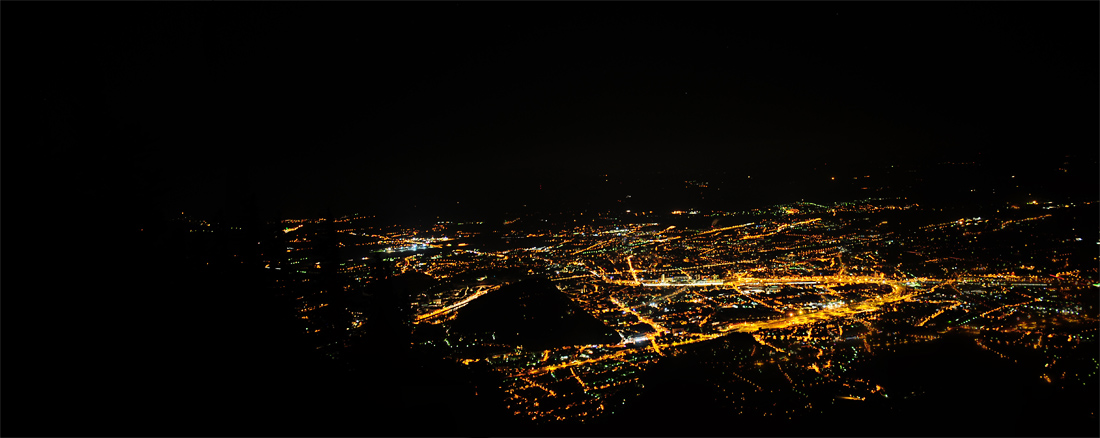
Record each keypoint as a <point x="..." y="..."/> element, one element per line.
<point x="869" y="305"/>
<point x="1008" y="306"/>
<point x="781" y="228"/>
<point x="642" y="318"/>
<point x="633" y="273"/>
<point x="898" y="293"/>
<point x="482" y="290"/>
<point x="938" y="313"/>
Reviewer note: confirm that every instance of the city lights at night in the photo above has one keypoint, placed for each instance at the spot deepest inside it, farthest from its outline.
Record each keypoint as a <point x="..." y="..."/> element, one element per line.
<point x="506" y="219"/>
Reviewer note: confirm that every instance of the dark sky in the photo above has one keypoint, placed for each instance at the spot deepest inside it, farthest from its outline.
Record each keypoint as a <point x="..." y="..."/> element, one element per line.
<point x="405" y="106"/>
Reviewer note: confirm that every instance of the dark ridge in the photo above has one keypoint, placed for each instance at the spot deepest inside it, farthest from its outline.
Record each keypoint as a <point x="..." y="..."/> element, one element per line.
<point x="534" y="314"/>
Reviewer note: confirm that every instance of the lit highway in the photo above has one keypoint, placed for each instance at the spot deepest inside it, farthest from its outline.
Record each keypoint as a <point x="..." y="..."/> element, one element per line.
<point x="481" y="291"/>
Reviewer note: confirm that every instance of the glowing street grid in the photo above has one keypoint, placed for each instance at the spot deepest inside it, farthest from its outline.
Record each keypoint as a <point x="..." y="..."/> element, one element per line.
<point x="789" y="298"/>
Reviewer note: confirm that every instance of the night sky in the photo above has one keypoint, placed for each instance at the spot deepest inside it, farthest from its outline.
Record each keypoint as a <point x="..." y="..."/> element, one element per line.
<point x="420" y="108"/>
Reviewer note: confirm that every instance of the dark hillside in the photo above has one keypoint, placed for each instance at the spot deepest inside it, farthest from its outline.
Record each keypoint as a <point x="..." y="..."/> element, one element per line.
<point x="534" y="314"/>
